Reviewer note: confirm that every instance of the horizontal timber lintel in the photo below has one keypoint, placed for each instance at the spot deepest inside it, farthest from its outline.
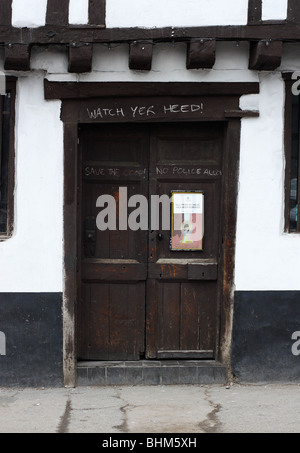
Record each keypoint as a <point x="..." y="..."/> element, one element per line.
<point x="84" y="90"/>
<point x="57" y="34"/>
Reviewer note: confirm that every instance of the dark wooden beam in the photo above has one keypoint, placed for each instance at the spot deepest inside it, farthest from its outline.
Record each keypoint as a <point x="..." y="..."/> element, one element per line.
<point x="201" y="53"/>
<point x="140" y="55"/>
<point x="85" y="90"/>
<point x="265" y="55"/>
<point x="241" y="113"/>
<point x="11" y="87"/>
<point x="5" y="12"/>
<point x="57" y="12"/>
<point x="294" y="11"/>
<point x="17" y="57"/>
<point x="287" y="76"/>
<point x="288" y="146"/>
<point x="80" y="58"/>
<point x="70" y="246"/>
<point x="54" y="34"/>
<point x="254" y="12"/>
<point x="97" y="10"/>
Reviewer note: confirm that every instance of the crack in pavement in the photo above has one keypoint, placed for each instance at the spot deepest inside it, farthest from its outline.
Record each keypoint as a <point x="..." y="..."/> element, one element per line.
<point x="211" y="425"/>
<point x="63" y="426"/>
<point x="124" y="425"/>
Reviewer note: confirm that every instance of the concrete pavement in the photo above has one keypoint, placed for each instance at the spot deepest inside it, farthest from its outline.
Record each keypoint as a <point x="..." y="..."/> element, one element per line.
<point x="152" y="409"/>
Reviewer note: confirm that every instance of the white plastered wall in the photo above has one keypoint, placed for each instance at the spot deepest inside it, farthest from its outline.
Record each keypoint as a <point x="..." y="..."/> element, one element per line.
<point x="31" y="261"/>
<point x="274" y="9"/>
<point x="266" y="257"/>
<point x="143" y="13"/>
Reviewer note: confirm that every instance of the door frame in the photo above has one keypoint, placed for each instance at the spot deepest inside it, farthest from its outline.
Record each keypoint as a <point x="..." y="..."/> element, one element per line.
<point x="223" y="101"/>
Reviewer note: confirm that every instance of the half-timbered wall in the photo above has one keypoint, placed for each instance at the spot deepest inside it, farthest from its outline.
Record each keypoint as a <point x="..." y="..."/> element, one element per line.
<point x="261" y="242"/>
<point x="267" y="258"/>
<point x="29" y="13"/>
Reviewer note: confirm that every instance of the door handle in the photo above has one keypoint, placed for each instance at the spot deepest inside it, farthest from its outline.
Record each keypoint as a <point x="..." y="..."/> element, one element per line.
<point x="160" y="236"/>
<point x="90" y="236"/>
<point x="90" y="229"/>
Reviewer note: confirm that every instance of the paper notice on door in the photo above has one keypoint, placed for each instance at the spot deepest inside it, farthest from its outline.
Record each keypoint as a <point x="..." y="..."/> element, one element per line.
<point x="187" y="221"/>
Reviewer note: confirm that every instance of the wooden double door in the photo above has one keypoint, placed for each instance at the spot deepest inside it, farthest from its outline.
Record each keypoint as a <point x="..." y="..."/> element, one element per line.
<point x="137" y="298"/>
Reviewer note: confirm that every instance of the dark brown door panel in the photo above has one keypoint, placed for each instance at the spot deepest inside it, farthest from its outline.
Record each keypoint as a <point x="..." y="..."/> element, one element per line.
<point x="137" y="298"/>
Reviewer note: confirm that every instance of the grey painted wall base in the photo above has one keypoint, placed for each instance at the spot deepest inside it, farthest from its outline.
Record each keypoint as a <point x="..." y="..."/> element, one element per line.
<point x="263" y="325"/>
<point x="32" y="324"/>
<point x="264" y="322"/>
